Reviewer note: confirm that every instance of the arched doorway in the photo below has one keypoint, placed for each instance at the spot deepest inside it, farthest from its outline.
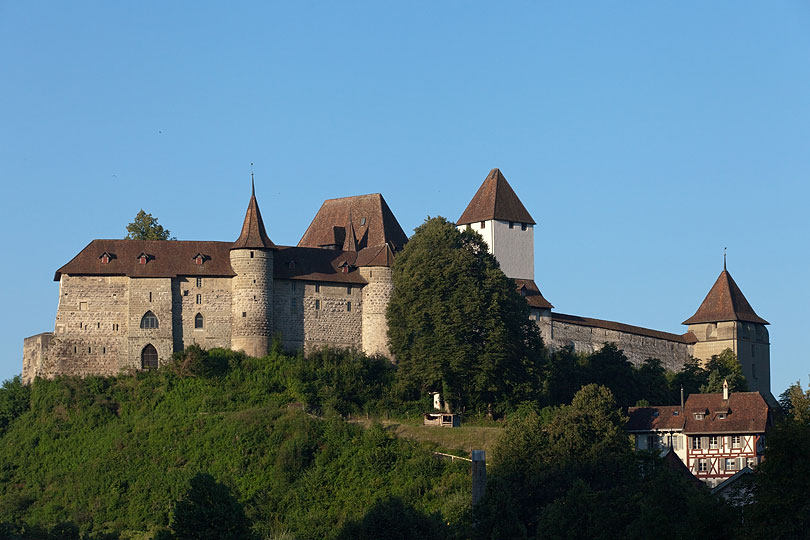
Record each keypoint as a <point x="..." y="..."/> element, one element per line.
<point x="149" y="357"/>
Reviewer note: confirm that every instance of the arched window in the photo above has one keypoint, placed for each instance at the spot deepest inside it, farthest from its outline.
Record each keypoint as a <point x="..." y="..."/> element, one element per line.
<point x="149" y="357"/>
<point x="198" y="320"/>
<point x="149" y="320"/>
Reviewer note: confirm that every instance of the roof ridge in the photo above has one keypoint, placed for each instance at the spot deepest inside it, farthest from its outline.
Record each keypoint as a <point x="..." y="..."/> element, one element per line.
<point x="495" y="199"/>
<point x="725" y="301"/>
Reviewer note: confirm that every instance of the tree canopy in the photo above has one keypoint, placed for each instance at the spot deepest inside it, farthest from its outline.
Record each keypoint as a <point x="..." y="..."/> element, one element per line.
<point x="456" y="323"/>
<point x="146" y="227"/>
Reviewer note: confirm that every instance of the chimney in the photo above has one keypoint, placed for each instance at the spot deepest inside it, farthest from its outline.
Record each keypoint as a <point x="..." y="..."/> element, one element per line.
<point x="725" y="389"/>
<point x="479" y="475"/>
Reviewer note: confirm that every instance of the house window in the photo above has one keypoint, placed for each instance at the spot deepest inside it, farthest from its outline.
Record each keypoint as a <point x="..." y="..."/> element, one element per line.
<point x="149" y="357"/>
<point x="511" y="224"/>
<point x="524" y="226"/>
<point x="199" y="282"/>
<point x="317" y="304"/>
<point x="199" y="299"/>
<point x="349" y="289"/>
<point x="348" y="306"/>
<point x="362" y="221"/>
<point x="731" y="464"/>
<point x="251" y="254"/>
<point x="185" y="293"/>
<point x="483" y="224"/>
<point x="150" y="296"/>
<point x="699" y="416"/>
<point x="317" y="287"/>
<point x="198" y="259"/>
<point x="696" y="443"/>
<point x="652" y="442"/>
<point x="82" y="306"/>
<point x="244" y="314"/>
<point x="142" y="259"/>
<point x="713" y="444"/>
<point x="105" y="259"/>
<point x="292" y="264"/>
<point x="736" y="441"/>
<point x="198" y="320"/>
<point x="149" y="320"/>
<point x="721" y="416"/>
<point x="703" y="465"/>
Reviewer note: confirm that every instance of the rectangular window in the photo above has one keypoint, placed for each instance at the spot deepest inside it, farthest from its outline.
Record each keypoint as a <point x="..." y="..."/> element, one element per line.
<point x="317" y="304"/>
<point x="244" y="314"/>
<point x="150" y="296"/>
<point x="703" y="465"/>
<point x="736" y="441"/>
<point x="695" y="443"/>
<point x="293" y="305"/>
<point x="349" y="289"/>
<point x="251" y="254"/>
<point x="185" y="293"/>
<point x="731" y="464"/>
<point x="511" y="224"/>
<point x="699" y="416"/>
<point x="523" y="226"/>
<point x="317" y="287"/>
<point x="713" y="444"/>
<point x="292" y="286"/>
<point x="348" y="306"/>
<point x="652" y="442"/>
<point x="199" y="282"/>
<point x="199" y="299"/>
<point x="483" y="224"/>
<point x="721" y="416"/>
<point x="82" y="306"/>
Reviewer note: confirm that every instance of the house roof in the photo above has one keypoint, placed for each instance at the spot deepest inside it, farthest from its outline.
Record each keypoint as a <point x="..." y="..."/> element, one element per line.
<point x="253" y="234"/>
<point x="534" y="297"/>
<point x="725" y="302"/>
<point x="661" y="418"/>
<point x="495" y="199"/>
<point x="373" y="222"/>
<point x="688" y="337"/>
<point x="746" y="412"/>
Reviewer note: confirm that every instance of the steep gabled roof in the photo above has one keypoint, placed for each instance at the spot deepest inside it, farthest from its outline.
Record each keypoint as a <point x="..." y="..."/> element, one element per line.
<point x="725" y="302"/>
<point x="253" y="234"/>
<point x="660" y="418"/>
<point x="533" y="295"/>
<point x="495" y="199"/>
<point x="373" y="222"/>
<point x="746" y="412"/>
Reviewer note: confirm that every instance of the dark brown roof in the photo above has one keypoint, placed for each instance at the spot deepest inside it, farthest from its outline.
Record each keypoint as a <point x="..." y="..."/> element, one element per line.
<point x="166" y="258"/>
<point x="495" y="199"/>
<point x="663" y="418"/>
<point x="688" y="337"/>
<point x="534" y="297"/>
<point x="253" y="234"/>
<point x="373" y="222"/>
<point x="316" y="264"/>
<point x="747" y="413"/>
<point x="725" y="302"/>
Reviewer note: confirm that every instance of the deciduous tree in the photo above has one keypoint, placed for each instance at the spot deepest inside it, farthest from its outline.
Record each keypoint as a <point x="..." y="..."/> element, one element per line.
<point x="146" y="227"/>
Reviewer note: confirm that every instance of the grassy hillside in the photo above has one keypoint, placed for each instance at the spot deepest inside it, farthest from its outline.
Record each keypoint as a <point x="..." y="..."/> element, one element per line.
<point x="115" y="454"/>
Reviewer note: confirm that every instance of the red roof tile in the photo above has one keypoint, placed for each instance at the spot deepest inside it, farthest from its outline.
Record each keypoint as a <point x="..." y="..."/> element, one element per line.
<point x="495" y="199"/>
<point x="747" y="413"/>
<point x="253" y="234"/>
<point x="373" y="222"/>
<point x="688" y="337"/>
<point x="663" y="418"/>
<point x="725" y="302"/>
<point x="534" y="297"/>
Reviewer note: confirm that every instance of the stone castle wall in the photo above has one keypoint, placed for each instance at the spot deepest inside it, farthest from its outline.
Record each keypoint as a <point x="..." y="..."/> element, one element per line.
<point x="375" y="303"/>
<point x="155" y="295"/>
<point x="637" y="348"/>
<point x="210" y="297"/>
<point x="252" y="300"/>
<point x="310" y="315"/>
<point x="749" y="341"/>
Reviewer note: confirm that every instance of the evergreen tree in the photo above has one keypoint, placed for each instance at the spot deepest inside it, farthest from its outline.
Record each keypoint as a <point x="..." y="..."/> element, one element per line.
<point x="456" y="323"/>
<point x="724" y="367"/>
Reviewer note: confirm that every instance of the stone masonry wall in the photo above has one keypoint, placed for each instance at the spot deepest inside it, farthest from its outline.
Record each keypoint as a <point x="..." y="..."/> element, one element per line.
<point x="252" y="294"/>
<point x="210" y="297"/>
<point x="376" y="296"/>
<point x="35" y="350"/>
<point x="91" y="327"/>
<point x="310" y="315"/>
<point x="587" y="339"/>
<point x="155" y="295"/>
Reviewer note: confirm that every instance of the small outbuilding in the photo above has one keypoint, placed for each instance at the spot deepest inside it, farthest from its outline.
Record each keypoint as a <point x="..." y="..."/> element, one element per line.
<point x="442" y="420"/>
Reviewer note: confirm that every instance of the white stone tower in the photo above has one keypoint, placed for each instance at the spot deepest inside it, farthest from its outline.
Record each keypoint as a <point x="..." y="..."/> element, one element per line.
<point x="725" y="320"/>
<point x="252" y="292"/>
<point x="496" y="213"/>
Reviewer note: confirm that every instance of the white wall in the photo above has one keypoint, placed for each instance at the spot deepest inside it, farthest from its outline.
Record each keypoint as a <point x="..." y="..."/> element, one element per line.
<point x="514" y="248"/>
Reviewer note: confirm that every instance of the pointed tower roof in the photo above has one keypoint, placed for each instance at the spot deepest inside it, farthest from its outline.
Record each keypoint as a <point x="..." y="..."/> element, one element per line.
<point x="253" y="234"/>
<point x="350" y="244"/>
<point x="495" y="199"/>
<point x="725" y="302"/>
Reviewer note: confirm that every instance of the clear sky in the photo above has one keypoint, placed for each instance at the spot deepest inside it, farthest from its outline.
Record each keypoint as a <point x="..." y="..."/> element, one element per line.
<point x="644" y="137"/>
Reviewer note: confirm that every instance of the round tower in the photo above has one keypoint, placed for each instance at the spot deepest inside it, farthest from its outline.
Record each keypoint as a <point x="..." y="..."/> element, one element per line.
<point x="376" y="295"/>
<point x="252" y="290"/>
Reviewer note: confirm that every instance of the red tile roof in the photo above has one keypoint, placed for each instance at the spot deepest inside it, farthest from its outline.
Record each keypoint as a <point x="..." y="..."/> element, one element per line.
<point x="688" y="337"/>
<point x="747" y="412"/>
<point x="725" y="302"/>
<point x="534" y="297"/>
<point x="373" y="222"/>
<point x="662" y="418"/>
<point x="253" y="234"/>
<point x="495" y="199"/>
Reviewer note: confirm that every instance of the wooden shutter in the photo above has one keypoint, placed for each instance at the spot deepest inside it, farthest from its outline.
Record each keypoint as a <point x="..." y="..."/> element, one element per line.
<point x="704" y="442"/>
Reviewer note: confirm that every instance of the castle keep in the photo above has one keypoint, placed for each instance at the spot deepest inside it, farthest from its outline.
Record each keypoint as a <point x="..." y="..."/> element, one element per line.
<point x="129" y="304"/>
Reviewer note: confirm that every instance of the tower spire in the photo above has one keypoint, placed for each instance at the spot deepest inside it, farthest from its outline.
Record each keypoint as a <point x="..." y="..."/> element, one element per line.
<point x="724" y="258"/>
<point x="252" y="185"/>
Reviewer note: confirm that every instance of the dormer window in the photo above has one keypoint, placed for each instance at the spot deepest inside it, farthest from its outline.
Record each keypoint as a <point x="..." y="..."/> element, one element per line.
<point x="143" y="258"/>
<point x="699" y="416"/>
<point x="522" y="290"/>
<point x="106" y="257"/>
<point x="344" y="267"/>
<point x="292" y="264"/>
<point x="721" y="416"/>
<point x="362" y="221"/>
<point x="199" y="258"/>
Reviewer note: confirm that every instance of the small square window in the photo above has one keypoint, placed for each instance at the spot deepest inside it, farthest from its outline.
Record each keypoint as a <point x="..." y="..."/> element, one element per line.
<point x="511" y="224"/>
<point x="524" y="226"/>
<point x="244" y="314"/>
<point x="251" y="254"/>
<point x="713" y="443"/>
<point x="703" y="465"/>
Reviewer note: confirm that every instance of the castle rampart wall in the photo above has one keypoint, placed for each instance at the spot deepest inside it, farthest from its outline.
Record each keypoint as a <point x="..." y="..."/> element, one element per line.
<point x="637" y="348"/>
<point x="376" y="296"/>
<point x="35" y="349"/>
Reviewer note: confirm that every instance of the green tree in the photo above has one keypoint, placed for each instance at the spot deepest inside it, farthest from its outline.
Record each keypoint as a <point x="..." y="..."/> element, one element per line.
<point x="209" y="511"/>
<point x="724" y="367"/>
<point x="146" y="227"/>
<point x="14" y="400"/>
<point x="691" y="378"/>
<point x="456" y="323"/>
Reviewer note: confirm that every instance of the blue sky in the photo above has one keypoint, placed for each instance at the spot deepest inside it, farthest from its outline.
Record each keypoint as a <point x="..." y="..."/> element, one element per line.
<point x="644" y="137"/>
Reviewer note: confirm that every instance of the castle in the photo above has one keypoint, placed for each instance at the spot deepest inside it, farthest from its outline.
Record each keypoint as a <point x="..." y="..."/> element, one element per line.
<point x="129" y="304"/>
